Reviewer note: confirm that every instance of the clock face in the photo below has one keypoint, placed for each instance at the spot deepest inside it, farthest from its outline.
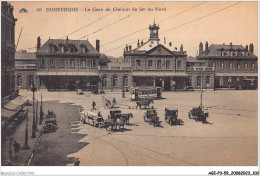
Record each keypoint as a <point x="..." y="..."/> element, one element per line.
<point x="154" y="31"/>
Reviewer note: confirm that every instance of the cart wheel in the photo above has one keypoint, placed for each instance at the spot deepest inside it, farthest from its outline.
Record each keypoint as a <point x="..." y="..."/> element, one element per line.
<point x="189" y="114"/>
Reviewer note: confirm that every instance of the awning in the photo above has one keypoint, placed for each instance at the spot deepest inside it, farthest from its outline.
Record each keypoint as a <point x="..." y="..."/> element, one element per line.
<point x="16" y="104"/>
<point x="237" y="74"/>
<point x="158" y="74"/>
<point x="6" y="114"/>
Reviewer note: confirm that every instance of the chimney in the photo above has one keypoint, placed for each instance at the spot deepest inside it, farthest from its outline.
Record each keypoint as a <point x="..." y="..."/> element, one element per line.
<point x="97" y="45"/>
<point x="200" y="48"/>
<point x="164" y="40"/>
<point x="181" y="48"/>
<point x="230" y="44"/>
<point x="138" y="43"/>
<point x="142" y="42"/>
<point x="170" y="44"/>
<point x="38" y="43"/>
<point x="206" y="47"/>
<point x="130" y="47"/>
<point x="251" y="47"/>
<point x="126" y="47"/>
<point x="246" y="47"/>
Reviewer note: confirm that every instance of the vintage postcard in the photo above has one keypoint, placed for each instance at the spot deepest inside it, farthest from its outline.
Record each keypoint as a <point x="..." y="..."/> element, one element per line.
<point x="129" y="83"/>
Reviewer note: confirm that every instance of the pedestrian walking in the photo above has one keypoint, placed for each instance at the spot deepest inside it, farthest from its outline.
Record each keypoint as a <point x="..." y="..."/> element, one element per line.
<point x="94" y="105"/>
<point x="123" y="93"/>
<point x="17" y="148"/>
<point x="114" y="101"/>
<point x="77" y="162"/>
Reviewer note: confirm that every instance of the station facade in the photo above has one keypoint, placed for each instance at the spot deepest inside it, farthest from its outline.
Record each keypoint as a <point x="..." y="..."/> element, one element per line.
<point x="76" y="64"/>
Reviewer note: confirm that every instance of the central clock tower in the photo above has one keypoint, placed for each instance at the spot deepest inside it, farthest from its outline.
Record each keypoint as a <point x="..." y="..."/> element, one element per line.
<point x="154" y="31"/>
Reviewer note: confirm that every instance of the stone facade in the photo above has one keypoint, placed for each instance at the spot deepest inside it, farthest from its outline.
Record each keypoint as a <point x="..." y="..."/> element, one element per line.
<point x="25" y="69"/>
<point x="235" y="66"/>
<point x="7" y="51"/>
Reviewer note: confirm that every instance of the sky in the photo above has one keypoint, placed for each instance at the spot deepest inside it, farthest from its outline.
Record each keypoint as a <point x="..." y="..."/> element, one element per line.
<point x="186" y="23"/>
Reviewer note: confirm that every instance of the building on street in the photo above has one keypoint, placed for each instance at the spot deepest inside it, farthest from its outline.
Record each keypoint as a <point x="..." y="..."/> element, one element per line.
<point x="156" y="63"/>
<point x="235" y="66"/>
<point x="7" y="52"/>
<point x="64" y="64"/>
<point x="25" y="69"/>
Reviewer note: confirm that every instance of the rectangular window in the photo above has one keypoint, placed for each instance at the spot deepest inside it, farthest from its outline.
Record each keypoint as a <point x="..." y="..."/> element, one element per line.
<point x="72" y="63"/>
<point x="238" y="65"/>
<point x="230" y="65"/>
<point x="221" y="81"/>
<point x="245" y="66"/>
<point x="104" y="81"/>
<point x="94" y="62"/>
<point x="159" y="64"/>
<point x="229" y="80"/>
<point x="179" y="64"/>
<point x="222" y="65"/>
<point x="83" y="63"/>
<point x="150" y="64"/>
<point x="138" y="64"/>
<point x="199" y="81"/>
<point x="62" y="63"/>
<point x="213" y="65"/>
<point x="168" y="64"/>
<point x="125" y="81"/>
<point x="52" y="62"/>
<point x="253" y="66"/>
<point x="237" y="79"/>
<point x="42" y="63"/>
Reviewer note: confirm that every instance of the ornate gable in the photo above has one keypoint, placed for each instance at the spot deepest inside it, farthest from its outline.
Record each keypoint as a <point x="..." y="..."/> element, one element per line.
<point x="160" y="50"/>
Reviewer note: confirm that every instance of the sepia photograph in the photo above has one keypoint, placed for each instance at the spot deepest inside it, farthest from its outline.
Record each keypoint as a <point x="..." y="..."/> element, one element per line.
<point x="129" y="83"/>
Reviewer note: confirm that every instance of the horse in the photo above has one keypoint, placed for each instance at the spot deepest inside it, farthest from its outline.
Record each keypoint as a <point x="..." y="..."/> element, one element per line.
<point x="127" y="117"/>
<point x="144" y="102"/>
<point x="120" y="122"/>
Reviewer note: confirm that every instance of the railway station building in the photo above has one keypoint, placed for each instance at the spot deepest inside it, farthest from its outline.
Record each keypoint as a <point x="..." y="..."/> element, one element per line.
<point x="64" y="64"/>
<point x="157" y="64"/>
<point x="234" y="66"/>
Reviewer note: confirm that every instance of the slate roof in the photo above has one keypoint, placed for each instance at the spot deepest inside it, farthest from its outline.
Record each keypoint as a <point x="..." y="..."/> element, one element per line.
<point x="67" y="43"/>
<point x="150" y="45"/>
<point x="215" y="50"/>
<point x="104" y="58"/>
<point x="23" y="55"/>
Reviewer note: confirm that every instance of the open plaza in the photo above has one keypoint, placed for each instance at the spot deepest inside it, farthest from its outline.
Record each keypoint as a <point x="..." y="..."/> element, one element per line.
<point x="229" y="138"/>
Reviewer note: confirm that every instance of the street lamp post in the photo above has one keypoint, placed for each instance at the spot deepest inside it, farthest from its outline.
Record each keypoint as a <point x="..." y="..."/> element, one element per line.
<point x="33" y="125"/>
<point x="26" y="133"/>
<point x="36" y="123"/>
<point x="41" y="113"/>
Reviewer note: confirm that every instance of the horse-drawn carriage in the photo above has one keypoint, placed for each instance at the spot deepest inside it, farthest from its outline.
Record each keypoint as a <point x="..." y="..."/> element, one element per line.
<point x="150" y="116"/>
<point x="144" y="102"/>
<point x="171" y="117"/>
<point x="198" y="114"/>
<point x="50" y="114"/>
<point x="50" y="125"/>
<point x="117" y="119"/>
<point x="92" y="118"/>
<point x="108" y="103"/>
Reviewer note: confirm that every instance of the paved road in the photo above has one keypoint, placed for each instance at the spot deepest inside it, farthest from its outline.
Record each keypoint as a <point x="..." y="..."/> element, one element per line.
<point x="230" y="138"/>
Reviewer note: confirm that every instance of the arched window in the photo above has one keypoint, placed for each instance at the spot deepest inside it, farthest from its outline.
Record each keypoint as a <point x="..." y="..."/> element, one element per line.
<point x="208" y="81"/>
<point x="114" y="81"/>
<point x="125" y="81"/>
<point x="30" y="81"/>
<point x="104" y="81"/>
<point x="19" y="80"/>
<point x="199" y="81"/>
